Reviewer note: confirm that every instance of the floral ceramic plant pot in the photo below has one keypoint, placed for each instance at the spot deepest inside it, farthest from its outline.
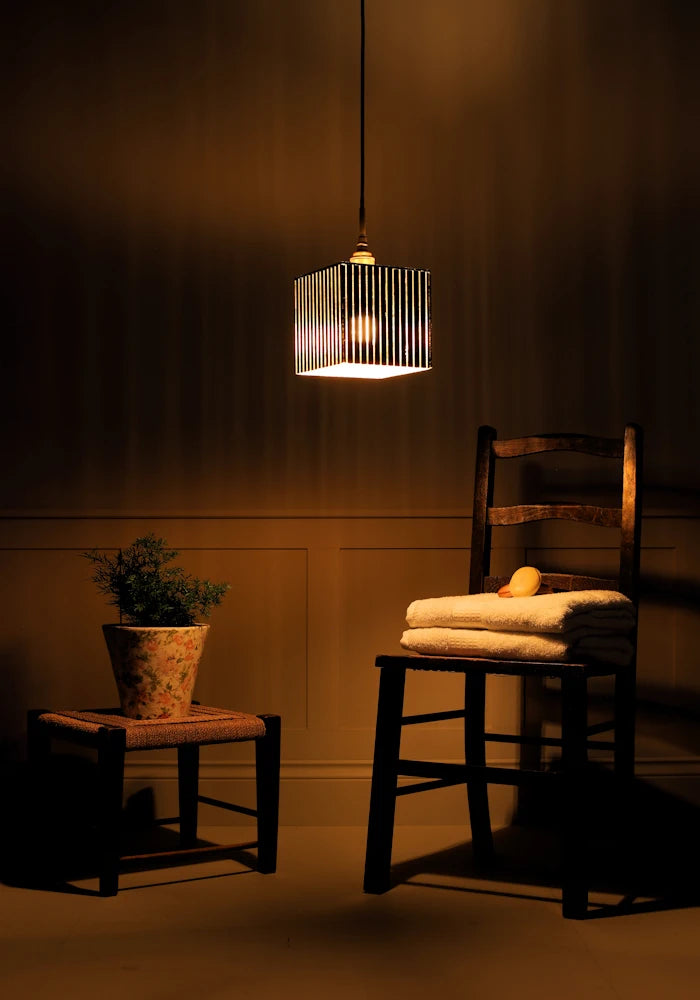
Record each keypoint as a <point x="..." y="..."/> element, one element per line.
<point x="155" y="668"/>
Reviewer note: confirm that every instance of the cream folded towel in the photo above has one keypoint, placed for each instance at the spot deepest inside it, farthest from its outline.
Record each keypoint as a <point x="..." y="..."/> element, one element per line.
<point x="600" y="610"/>
<point x="616" y="649"/>
<point x="607" y="648"/>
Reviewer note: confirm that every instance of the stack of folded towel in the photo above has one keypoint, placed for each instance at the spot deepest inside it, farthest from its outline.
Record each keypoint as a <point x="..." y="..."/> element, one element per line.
<point x="577" y="625"/>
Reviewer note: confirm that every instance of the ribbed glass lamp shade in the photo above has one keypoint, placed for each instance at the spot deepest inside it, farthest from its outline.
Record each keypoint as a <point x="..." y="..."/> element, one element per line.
<point x="362" y="321"/>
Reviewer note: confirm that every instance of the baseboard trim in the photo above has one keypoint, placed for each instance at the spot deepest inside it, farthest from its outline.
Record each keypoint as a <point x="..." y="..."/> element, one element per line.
<point x="361" y="770"/>
<point x="336" y="792"/>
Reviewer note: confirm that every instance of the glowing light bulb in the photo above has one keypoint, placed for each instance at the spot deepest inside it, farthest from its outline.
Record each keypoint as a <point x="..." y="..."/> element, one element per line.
<point x="363" y="330"/>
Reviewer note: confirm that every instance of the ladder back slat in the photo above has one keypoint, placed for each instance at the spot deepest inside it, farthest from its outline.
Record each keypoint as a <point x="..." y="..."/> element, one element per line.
<point x="606" y="517"/>
<point x="627" y="518"/>
<point x="582" y="443"/>
<point x="557" y="581"/>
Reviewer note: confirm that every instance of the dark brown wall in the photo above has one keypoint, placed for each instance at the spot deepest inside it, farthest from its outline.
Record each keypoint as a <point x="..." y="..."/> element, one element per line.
<point x="169" y="167"/>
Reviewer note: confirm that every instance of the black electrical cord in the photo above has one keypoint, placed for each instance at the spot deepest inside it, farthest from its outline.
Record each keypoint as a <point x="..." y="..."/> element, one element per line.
<point x="362" y="242"/>
<point x="362" y="253"/>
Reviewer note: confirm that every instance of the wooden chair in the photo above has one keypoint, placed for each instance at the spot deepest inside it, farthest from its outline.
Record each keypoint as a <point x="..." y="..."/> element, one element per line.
<point x="112" y="736"/>
<point x="576" y="734"/>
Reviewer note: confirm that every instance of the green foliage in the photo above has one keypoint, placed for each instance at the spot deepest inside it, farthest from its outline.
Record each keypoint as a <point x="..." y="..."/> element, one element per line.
<point x="147" y="591"/>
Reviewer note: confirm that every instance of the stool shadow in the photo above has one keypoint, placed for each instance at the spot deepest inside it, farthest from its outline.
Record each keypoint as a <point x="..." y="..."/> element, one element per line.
<point x="49" y="842"/>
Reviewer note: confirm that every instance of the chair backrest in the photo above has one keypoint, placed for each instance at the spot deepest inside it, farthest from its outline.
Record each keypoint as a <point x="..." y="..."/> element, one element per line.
<point x="627" y="517"/>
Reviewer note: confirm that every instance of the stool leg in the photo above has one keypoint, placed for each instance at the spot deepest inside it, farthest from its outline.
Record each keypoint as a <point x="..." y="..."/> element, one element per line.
<point x="188" y="791"/>
<point x="38" y="753"/>
<point x="267" y="784"/>
<point x="475" y="753"/>
<point x="574" y="759"/>
<point x="110" y="764"/>
<point x="382" y="807"/>
<point x="40" y="862"/>
<point x="38" y="741"/>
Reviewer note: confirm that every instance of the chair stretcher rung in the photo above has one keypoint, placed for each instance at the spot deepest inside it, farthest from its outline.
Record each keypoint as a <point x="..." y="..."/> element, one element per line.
<point x="227" y="805"/>
<point x="431" y="769"/>
<point x="458" y="773"/>
<point x="185" y="851"/>
<point x="530" y="741"/>
<point x="413" y="720"/>
<point x="545" y="741"/>
<point x="424" y="786"/>
<point x="601" y="727"/>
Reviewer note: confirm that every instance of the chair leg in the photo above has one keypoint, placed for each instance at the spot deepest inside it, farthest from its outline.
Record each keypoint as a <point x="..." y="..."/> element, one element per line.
<point x="188" y="790"/>
<point x="574" y="759"/>
<point x="267" y="782"/>
<point x="624" y="726"/>
<point x="110" y="764"/>
<point x="382" y="808"/>
<point x="624" y="753"/>
<point x="532" y="714"/>
<point x="475" y="753"/>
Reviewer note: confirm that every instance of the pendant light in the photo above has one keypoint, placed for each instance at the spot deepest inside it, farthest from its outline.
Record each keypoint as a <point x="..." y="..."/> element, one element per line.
<point x="360" y="319"/>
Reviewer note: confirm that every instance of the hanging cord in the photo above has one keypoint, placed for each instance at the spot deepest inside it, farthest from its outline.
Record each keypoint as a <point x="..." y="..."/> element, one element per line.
<point x="363" y="222"/>
<point x="362" y="254"/>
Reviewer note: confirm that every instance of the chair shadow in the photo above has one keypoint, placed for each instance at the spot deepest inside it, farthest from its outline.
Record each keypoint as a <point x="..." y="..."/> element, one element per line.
<point x="50" y="845"/>
<point x="647" y="858"/>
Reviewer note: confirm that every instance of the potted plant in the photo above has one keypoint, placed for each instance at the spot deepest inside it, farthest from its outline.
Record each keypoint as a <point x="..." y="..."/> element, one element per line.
<point x="156" y="647"/>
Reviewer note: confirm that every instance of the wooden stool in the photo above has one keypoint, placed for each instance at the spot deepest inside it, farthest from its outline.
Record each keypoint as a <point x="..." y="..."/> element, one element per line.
<point x="112" y="735"/>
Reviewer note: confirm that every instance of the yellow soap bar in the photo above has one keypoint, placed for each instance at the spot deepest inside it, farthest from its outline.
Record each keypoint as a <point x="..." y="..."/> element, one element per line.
<point x="525" y="581"/>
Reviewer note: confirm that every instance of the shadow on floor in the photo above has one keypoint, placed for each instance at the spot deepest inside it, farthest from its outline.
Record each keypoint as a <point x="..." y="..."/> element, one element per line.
<point x="49" y="840"/>
<point x="646" y="856"/>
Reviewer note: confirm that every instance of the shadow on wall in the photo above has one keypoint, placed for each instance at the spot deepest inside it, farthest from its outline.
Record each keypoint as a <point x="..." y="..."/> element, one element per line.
<point x="675" y="710"/>
<point x="673" y="715"/>
<point x="15" y="671"/>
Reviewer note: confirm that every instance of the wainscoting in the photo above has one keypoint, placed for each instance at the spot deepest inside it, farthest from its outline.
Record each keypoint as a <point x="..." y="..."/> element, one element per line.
<point x="312" y="601"/>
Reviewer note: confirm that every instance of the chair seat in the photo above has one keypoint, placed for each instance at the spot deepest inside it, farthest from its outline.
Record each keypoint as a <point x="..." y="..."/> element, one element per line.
<point x="520" y="668"/>
<point x="203" y="725"/>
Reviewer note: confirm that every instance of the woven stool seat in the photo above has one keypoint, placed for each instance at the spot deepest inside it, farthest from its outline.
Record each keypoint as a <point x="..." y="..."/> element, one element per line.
<point x="203" y="725"/>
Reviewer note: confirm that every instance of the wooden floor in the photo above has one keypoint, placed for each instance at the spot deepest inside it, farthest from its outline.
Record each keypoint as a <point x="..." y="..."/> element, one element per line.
<point x="216" y="931"/>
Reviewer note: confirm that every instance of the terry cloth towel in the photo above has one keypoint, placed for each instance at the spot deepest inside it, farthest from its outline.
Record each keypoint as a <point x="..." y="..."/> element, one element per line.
<point x="607" y="648"/>
<point x="597" y="610"/>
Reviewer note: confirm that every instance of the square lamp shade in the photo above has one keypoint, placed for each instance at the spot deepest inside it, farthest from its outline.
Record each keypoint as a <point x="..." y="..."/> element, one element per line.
<point x="355" y="320"/>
